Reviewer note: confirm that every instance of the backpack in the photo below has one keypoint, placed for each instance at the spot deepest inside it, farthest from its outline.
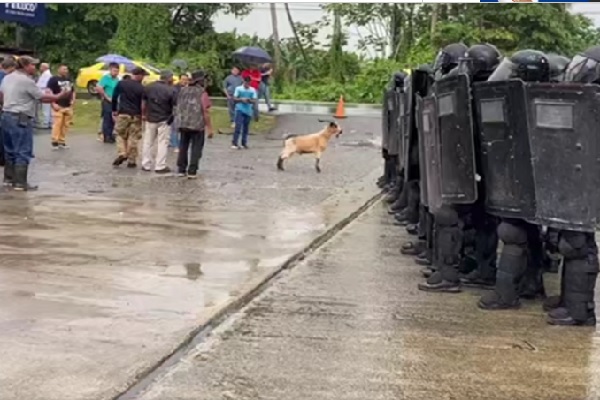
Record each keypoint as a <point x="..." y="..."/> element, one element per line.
<point x="189" y="111"/>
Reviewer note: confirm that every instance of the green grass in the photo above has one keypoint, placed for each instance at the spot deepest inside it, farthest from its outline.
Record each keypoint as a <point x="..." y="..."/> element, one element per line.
<point x="87" y="119"/>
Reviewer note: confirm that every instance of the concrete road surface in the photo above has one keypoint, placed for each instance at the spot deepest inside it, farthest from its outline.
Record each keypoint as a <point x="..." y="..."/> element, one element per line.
<point x="349" y="324"/>
<point x="104" y="272"/>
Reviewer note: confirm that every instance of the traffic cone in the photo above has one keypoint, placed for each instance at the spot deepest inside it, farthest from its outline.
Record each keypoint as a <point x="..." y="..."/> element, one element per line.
<point x="340" y="112"/>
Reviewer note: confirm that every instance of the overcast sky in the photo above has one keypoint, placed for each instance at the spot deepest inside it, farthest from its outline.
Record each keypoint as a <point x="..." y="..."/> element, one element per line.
<point x="259" y="20"/>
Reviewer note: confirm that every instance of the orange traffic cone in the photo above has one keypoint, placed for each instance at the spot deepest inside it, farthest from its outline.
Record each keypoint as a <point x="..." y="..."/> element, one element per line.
<point x="340" y="112"/>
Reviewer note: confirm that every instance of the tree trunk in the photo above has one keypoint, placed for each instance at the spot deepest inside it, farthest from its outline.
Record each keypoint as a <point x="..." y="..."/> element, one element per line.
<point x="293" y="26"/>
<point x="276" y="42"/>
<point x="434" y="15"/>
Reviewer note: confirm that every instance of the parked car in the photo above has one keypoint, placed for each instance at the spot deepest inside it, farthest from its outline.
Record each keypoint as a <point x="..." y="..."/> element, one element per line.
<point x="88" y="77"/>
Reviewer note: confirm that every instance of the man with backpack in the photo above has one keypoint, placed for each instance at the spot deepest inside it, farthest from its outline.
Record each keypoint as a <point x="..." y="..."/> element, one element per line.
<point x="193" y="119"/>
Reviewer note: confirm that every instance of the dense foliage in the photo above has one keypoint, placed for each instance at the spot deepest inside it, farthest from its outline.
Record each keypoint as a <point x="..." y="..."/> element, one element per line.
<point x="398" y="36"/>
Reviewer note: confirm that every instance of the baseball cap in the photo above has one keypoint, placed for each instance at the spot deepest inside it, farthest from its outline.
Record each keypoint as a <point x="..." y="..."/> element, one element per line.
<point x="165" y="75"/>
<point x="198" y="76"/>
<point x="24" y="61"/>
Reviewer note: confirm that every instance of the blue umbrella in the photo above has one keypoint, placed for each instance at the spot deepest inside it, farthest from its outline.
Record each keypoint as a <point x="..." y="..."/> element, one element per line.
<point x="252" y="55"/>
<point x="116" y="58"/>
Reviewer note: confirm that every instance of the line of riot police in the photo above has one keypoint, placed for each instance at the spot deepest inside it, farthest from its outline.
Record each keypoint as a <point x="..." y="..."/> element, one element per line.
<point x="486" y="155"/>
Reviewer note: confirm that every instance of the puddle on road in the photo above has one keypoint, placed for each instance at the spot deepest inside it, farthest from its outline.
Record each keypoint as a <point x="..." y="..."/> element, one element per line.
<point x="138" y="259"/>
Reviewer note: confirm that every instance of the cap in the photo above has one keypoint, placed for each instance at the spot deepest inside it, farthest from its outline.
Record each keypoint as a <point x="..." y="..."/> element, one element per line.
<point x="24" y="61"/>
<point x="138" y="71"/>
<point x="198" y="76"/>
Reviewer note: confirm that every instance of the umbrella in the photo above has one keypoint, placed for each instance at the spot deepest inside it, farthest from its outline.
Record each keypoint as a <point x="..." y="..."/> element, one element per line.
<point x="252" y="55"/>
<point x="116" y="58"/>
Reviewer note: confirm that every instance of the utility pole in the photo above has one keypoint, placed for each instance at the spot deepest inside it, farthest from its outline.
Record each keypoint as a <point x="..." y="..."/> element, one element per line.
<point x="276" y="44"/>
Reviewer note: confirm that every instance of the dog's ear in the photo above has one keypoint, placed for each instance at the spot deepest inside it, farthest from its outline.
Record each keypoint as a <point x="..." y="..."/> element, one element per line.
<point x="332" y="124"/>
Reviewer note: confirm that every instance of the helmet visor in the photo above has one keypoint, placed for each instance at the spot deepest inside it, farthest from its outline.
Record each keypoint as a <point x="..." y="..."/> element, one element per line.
<point x="582" y="69"/>
<point x="504" y="71"/>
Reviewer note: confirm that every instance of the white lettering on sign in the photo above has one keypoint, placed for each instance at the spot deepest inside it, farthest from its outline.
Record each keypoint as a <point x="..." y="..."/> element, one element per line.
<point x="28" y="7"/>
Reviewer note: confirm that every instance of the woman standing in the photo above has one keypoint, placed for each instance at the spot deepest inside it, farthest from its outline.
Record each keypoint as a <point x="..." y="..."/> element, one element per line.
<point x="184" y="80"/>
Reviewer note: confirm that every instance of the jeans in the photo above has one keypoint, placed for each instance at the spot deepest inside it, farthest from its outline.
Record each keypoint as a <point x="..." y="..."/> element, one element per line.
<point x="174" y="137"/>
<point x="242" y="124"/>
<point x="2" y="158"/>
<point x="18" y="140"/>
<point x="45" y="120"/>
<point x="192" y="141"/>
<point x="231" y="109"/>
<point x="108" y="124"/>
<point x="263" y="91"/>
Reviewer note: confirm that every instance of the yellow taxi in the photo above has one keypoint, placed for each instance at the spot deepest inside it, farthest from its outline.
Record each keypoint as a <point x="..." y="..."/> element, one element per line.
<point x="88" y="77"/>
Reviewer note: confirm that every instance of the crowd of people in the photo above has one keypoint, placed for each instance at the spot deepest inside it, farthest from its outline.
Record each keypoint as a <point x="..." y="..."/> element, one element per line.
<point x="160" y="115"/>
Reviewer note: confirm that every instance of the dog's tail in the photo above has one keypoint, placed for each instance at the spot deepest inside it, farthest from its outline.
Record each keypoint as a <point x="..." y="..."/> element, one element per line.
<point x="288" y="135"/>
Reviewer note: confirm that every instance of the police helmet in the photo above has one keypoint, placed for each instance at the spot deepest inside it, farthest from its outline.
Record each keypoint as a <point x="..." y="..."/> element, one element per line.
<point x="527" y="65"/>
<point x="398" y="79"/>
<point x="558" y="66"/>
<point x="585" y="67"/>
<point x="448" y="58"/>
<point x="484" y="59"/>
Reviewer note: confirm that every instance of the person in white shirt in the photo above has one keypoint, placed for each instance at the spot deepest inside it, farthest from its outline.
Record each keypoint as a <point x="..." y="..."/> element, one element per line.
<point x="42" y="83"/>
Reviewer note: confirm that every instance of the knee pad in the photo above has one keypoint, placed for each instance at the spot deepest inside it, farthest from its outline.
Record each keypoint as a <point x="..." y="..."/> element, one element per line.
<point x="512" y="234"/>
<point x="446" y="216"/>
<point x="573" y="245"/>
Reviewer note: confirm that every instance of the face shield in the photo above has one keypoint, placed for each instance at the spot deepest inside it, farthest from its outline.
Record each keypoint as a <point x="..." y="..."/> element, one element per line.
<point x="504" y="71"/>
<point x="582" y="69"/>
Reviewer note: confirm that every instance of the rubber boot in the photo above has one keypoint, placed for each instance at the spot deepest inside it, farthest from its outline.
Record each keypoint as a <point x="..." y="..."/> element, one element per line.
<point x="9" y="172"/>
<point x="20" y="179"/>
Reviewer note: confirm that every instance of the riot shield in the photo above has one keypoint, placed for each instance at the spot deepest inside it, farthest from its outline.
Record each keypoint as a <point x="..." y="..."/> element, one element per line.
<point x="505" y="154"/>
<point x="394" y="127"/>
<point x="429" y="136"/>
<point x="419" y="85"/>
<point x="421" y="144"/>
<point x="387" y="107"/>
<point x="563" y="139"/>
<point x="458" y="171"/>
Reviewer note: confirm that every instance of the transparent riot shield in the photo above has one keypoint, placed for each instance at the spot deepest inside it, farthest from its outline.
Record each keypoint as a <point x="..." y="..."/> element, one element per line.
<point x="563" y="132"/>
<point x="505" y="152"/>
<point x="458" y="171"/>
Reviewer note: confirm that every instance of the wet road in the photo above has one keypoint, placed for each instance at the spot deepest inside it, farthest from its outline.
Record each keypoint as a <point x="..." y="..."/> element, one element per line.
<point x="349" y="323"/>
<point x="104" y="272"/>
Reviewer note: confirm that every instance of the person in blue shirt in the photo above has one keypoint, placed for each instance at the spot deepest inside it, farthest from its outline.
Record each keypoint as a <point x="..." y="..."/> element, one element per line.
<point x="244" y="97"/>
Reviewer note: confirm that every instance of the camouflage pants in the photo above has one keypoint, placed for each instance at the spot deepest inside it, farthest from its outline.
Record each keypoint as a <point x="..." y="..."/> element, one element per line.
<point x="129" y="133"/>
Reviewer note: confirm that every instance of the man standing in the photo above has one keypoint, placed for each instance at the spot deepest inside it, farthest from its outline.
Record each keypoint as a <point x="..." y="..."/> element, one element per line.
<point x="232" y="81"/>
<point x="159" y="100"/>
<point x="62" y="109"/>
<point x="245" y="98"/>
<point x="106" y="88"/>
<point x="42" y="83"/>
<point x="20" y="95"/>
<point x="127" y="111"/>
<point x="255" y="80"/>
<point x="266" y="71"/>
<point x="192" y="114"/>
<point x="184" y="80"/>
<point x="6" y="67"/>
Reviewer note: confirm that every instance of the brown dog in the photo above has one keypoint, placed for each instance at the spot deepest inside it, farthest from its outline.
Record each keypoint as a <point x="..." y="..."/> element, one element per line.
<point x="314" y="143"/>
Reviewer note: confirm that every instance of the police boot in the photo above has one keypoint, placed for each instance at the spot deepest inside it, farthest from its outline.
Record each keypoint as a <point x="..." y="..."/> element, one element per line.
<point x="396" y="191"/>
<point x="580" y="272"/>
<point x="20" y="179"/>
<point x="511" y="267"/>
<point x="424" y="258"/>
<point x="413" y="248"/>
<point x="9" y="172"/>
<point x="449" y="243"/>
<point x="401" y="218"/>
<point x="412" y="229"/>
<point x="485" y="243"/>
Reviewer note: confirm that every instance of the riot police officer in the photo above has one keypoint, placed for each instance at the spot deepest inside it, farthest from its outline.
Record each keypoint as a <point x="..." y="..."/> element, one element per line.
<point x="575" y="305"/>
<point x="390" y="135"/>
<point x="522" y="252"/>
<point x="462" y="215"/>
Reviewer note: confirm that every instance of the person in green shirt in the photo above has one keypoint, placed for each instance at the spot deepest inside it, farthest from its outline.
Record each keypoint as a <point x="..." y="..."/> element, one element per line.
<point x="105" y="89"/>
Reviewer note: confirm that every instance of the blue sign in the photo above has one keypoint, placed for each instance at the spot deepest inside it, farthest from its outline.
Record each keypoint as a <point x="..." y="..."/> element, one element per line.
<point x="25" y="13"/>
